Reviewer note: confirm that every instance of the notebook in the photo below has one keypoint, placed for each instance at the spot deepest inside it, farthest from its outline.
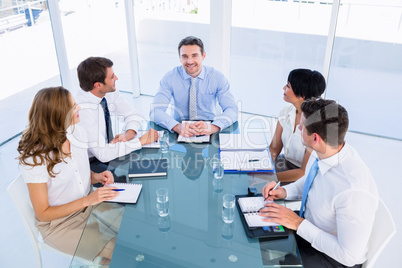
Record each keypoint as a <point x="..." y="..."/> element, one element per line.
<point x="253" y="224"/>
<point x="250" y="207"/>
<point x="130" y="193"/>
<point x="246" y="152"/>
<point x="148" y="168"/>
<point x="246" y="160"/>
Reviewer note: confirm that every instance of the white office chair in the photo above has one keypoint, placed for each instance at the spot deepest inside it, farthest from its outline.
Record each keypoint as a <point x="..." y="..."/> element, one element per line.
<point x="19" y="194"/>
<point x="383" y="230"/>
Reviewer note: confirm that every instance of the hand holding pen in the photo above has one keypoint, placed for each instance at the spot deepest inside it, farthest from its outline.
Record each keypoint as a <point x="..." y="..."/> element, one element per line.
<point x="272" y="190"/>
<point x="269" y="188"/>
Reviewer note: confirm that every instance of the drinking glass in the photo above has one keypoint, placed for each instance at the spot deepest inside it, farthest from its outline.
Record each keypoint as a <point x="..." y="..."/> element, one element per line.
<point x="217" y="168"/>
<point x="162" y="202"/>
<point x="164" y="142"/>
<point x="228" y="208"/>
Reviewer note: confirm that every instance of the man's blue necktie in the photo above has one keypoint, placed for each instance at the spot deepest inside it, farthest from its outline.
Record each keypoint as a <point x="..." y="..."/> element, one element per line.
<point x="307" y="185"/>
<point x="109" y="131"/>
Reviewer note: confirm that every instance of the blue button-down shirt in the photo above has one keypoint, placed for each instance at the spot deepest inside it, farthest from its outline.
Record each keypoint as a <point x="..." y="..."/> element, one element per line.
<point x="211" y="87"/>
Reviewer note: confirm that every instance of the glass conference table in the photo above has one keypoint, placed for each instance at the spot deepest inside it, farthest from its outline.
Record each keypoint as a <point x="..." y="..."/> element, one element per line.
<point x="193" y="234"/>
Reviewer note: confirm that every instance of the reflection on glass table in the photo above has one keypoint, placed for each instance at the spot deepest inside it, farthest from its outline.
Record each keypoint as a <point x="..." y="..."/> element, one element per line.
<point x="193" y="234"/>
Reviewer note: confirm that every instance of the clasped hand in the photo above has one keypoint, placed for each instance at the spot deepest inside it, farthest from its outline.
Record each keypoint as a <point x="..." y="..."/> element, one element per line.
<point x="195" y="129"/>
<point x="275" y="212"/>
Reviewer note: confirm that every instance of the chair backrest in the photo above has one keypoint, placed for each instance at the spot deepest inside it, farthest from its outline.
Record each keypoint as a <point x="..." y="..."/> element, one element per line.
<point x="383" y="230"/>
<point x="18" y="191"/>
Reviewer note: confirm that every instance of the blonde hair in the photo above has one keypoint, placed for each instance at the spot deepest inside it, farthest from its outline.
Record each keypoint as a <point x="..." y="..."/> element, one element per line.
<point x="50" y="115"/>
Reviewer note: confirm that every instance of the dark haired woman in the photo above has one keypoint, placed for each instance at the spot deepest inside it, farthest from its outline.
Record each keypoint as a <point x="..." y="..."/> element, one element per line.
<point x="302" y="84"/>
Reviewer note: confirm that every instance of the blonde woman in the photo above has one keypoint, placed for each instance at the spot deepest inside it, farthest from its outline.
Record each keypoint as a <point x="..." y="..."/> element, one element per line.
<point x="58" y="176"/>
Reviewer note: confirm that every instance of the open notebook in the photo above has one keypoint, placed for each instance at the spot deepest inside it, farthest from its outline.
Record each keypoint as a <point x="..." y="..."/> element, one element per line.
<point x="246" y="152"/>
<point x="250" y="207"/>
<point x="130" y="193"/>
<point x="253" y="224"/>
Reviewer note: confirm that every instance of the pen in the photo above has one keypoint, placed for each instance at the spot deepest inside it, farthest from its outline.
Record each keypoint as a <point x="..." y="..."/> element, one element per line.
<point x="273" y="189"/>
<point x="118" y="190"/>
<point x="253" y="160"/>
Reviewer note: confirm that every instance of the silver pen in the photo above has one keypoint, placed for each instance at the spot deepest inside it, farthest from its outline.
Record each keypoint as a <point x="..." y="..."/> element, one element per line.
<point x="273" y="189"/>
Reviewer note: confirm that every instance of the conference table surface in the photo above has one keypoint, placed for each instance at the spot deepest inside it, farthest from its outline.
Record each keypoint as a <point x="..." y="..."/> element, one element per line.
<point x="193" y="234"/>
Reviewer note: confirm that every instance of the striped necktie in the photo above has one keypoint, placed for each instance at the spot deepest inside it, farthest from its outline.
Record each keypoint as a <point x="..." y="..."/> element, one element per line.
<point x="193" y="100"/>
<point x="307" y="185"/>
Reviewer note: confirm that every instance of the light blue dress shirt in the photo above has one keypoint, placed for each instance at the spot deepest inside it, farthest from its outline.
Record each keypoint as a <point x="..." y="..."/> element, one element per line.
<point x="211" y="87"/>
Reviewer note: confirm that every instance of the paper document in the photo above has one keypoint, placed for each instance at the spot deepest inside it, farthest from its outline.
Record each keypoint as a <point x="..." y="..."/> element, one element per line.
<point x="130" y="193"/>
<point x="246" y="160"/>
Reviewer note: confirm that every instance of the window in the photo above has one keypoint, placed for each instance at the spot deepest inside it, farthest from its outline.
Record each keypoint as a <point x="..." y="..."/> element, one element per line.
<point x="28" y="61"/>
<point x="366" y="73"/>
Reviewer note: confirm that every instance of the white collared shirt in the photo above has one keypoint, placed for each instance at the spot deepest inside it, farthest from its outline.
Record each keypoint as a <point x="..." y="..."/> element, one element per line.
<point x="90" y="132"/>
<point x="72" y="181"/>
<point x="340" y="207"/>
<point x="293" y="148"/>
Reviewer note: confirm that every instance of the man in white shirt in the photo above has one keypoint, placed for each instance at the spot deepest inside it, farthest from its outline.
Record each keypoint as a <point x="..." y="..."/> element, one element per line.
<point x="100" y="102"/>
<point x="338" y="207"/>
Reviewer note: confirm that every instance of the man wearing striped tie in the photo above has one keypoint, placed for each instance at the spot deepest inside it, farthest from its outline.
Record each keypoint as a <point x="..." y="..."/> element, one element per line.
<point x="195" y="90"/>
<point x="339" y="196"/>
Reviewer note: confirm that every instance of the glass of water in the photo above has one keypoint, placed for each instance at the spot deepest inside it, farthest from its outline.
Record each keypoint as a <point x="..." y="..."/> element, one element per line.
<point x="164" y="142"/>
<point x="217" y="168"/>
<point x="162" y="202"/>
<point x="228" y="209"/>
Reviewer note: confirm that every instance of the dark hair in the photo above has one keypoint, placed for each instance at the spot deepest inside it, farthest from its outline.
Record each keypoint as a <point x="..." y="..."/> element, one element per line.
<point x="50" y="115"/>
<point x="326" y="118"/>
<point x="307" y="83"/>
<point x="92" y="70"/>
<point x="189" y="41"/>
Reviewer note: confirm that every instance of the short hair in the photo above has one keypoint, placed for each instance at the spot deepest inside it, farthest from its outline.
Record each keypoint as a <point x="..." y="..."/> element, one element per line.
<point x="191" y="40"/>
<point x="326" y="118"/>
<point x="307" y="83"/>
<point x="92" y="70"/>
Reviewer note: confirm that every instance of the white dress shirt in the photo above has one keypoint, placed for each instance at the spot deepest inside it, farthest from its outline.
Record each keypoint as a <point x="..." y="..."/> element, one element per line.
<point x="340" y="207"/>
<point x="90" y="132"/>
<point x="72" y="181"/>
<point x="293" y="148"/>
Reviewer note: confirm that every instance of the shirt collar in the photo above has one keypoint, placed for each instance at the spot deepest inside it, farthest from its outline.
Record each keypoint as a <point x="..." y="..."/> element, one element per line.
<point x="200" y="76"/>
<point x="330" y="162"/>
<point x="92" y="98"/>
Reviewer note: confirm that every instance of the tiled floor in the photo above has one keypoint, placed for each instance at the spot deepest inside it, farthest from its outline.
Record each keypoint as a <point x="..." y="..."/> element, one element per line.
<point x="381" y="155"/>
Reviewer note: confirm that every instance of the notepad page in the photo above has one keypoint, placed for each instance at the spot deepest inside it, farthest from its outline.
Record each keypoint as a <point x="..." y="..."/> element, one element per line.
<point x="255" y="220"/>
<point x="240" y="160"/>
<point x="130" y="193"/>
<point x="251" y="204"/>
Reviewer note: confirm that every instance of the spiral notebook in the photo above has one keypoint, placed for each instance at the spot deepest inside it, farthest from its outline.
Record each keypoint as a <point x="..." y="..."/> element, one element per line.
<point x="250" y="207"/>
<point x="253" y="223"/>
<point x="130" y="193"/>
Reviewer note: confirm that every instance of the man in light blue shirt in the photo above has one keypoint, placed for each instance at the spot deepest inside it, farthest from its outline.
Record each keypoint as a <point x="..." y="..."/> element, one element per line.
<point x="210" y="86"/>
